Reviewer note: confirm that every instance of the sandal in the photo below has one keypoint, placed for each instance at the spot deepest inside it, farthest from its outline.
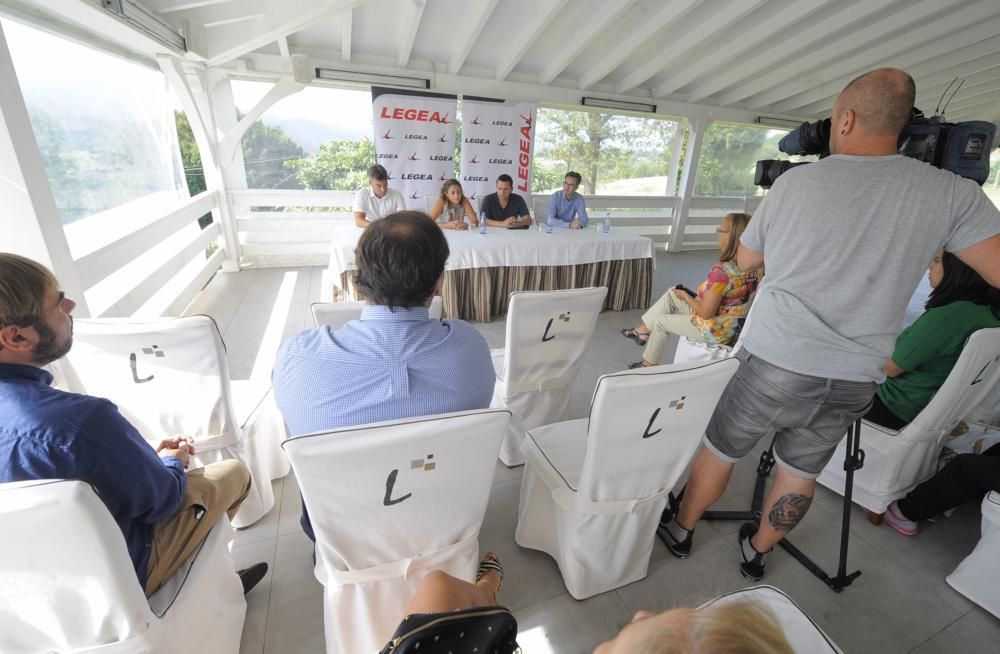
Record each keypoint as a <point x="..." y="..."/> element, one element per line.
<point x="490" y="563"/>
<point x="637" y="364"/>
<point x="631" y="333"/>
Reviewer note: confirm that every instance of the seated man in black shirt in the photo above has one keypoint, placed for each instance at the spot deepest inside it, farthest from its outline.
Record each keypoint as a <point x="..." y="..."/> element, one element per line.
<point x="504" y="208"/>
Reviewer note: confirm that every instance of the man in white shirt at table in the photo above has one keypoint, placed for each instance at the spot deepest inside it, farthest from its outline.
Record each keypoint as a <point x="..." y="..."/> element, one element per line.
<point x="377" y="200"/>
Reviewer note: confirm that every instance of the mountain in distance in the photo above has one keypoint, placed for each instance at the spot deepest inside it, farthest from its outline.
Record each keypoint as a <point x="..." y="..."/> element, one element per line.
<point x="310" y="134"/>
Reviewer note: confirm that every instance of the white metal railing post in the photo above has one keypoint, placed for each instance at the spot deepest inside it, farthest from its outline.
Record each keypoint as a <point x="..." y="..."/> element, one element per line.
<point x="696" y="132"/>
<point x="29" y="221"/>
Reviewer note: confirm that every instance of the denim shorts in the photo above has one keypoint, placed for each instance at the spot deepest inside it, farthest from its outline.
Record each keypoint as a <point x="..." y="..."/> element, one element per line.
<point x="808" y="415"/>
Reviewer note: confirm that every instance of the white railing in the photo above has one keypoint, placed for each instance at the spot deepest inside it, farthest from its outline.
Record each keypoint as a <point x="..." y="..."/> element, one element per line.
<point x="155" y="270"/>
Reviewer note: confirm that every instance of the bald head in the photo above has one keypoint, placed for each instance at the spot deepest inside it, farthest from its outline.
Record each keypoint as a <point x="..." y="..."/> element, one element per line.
<point x="881" y="101"/>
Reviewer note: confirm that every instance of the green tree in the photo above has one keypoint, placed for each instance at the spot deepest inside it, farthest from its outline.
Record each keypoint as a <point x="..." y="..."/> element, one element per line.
<point x="60" y="165"/>
<point x="270" y="156"/>
<point x="190" y="155"/>
<point x="728" y="156"/>
<point x="337" y="165"/>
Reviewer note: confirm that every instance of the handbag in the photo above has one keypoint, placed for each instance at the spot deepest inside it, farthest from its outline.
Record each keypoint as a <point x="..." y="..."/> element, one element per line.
<point x="484" y="629"/>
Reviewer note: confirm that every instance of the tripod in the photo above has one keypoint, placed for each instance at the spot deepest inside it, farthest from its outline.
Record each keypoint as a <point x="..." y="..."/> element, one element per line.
<point x="854" y="459"/>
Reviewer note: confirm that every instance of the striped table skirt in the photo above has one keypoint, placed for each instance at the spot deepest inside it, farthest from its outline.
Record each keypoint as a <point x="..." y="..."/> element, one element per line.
<point x="481" y="293"/>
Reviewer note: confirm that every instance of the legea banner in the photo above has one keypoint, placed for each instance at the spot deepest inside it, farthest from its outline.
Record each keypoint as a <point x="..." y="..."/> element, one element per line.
<point x="497" y="137"/>
<point x="415" y="141"/>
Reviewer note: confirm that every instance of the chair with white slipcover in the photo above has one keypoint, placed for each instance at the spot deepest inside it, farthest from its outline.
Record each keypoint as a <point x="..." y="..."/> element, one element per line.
<point x="548" y="335"/>
<point x="594" y="488"/>
<point x="69" y="584"/>
<point x="978" y="575"/>
<point x="896" y="461"/>
<point x="390" y="502"/>
<point x="338" y="314"/>
<point x="802" y="633"/>
<point x="169" y="378"/>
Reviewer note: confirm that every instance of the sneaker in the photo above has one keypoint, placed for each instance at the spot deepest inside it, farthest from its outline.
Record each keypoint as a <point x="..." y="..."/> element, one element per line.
<point x="895" y="519"/>
<point x="251" y="576"/>
<point x="676" y="538"/>
<point x="752" y="566"/>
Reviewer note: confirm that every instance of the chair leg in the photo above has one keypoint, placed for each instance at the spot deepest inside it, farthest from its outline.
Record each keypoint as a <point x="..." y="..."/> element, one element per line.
<point x="875" y="518"/>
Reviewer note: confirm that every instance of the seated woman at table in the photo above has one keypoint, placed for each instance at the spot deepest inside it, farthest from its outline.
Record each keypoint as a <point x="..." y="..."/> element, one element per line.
<point x="711" y="315"/>
<point x="960" y="303"/>
<point x="452" y="207"/>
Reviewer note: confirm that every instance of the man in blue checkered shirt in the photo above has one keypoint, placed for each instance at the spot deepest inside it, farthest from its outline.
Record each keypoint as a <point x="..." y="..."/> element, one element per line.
<point x="395" y="362"/>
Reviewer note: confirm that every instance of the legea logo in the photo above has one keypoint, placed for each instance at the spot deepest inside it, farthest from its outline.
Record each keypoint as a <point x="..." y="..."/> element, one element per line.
<point x="426" y="464"/>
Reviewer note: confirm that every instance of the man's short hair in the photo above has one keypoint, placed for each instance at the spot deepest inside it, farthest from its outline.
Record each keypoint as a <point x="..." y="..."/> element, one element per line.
<point x="400" y="259"/>
<point x="23" y="287"/>
<point x="882" y="100"/>
<point x="505" y="178"/>
<point x="378" y="173"/>
<point x="575" y="175"/>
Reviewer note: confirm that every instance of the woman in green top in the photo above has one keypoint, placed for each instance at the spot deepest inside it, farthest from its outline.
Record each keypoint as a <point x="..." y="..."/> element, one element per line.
<point x="960" y="303"/>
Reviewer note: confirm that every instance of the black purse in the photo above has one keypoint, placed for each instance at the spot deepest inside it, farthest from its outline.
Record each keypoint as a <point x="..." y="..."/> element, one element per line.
<point x="485" y="629"/>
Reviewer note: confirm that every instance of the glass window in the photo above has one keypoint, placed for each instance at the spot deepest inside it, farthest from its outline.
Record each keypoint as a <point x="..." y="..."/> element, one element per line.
<point x="105" y="129"/>
<point x="318" y="138"/>
<point x="615" y="154"/>
<point x="729" y="155"/>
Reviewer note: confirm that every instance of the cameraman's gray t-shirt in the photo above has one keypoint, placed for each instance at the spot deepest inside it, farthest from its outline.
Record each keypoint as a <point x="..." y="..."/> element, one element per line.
<point x="845" y="242"/>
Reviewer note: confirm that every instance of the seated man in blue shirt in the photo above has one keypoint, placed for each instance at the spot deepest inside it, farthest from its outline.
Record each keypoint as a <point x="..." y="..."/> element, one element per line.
<point x="567" y="207"/>
<point x="163" y="511"/>
<point x="395" y="362"/>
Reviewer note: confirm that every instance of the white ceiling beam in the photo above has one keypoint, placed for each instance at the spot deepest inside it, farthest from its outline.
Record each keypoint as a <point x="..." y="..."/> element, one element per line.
<point x="346" y="31"/>
<point x="477" y="12"/>
<point x="701" y="33"/>
<point x="768" y="30"/>
<point x="674" y="10"/>
<point x="282" y="19"/>
<point x="283" y="46"/>
<point x="582" y="38"/>
<point x="234" y="19"/>
<point x="939" y="37"/>
<point x="168" y="7"/>
<point x="779" y="52"/>
<point x="974" y="85"/>
<point x="413" y="11"/>
<point x="821" y="62"/>
<point x="965" y="103"/>
<point x="937" y="72"/>
<point x="529" y="32"/>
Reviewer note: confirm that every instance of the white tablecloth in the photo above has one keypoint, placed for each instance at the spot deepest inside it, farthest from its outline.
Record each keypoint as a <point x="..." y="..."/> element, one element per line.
<point x="507" y="247"/>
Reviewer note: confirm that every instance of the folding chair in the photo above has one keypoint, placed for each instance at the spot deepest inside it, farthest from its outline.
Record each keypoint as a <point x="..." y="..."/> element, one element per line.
<point x="594" y="488"/>
<point x="170" y="378"/>
<point x="338" y="314"/>
<point x="390" y="502"/>
<point x="548" y="334"/>
<point x="69" y="585"/>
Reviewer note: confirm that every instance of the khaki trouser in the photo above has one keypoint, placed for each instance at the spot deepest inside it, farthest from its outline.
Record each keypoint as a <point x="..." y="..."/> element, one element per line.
<point x="218" y="487"/>
<point x="669" y="315"/>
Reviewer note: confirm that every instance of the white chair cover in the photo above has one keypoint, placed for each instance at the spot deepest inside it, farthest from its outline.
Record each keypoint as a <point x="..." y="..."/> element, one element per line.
<point x="978" y="575"/>
<point x="896" y="461"/>
<point x="338" y="314"/>
<point x="170" y="377"/>
<point x="804" y="635"/>
<point x="69" y="585"/>
<point x="548" y="334"/>
<point x="691" y="351"/>
<point x="390" y="502"/>
<point x="593" y="489"/>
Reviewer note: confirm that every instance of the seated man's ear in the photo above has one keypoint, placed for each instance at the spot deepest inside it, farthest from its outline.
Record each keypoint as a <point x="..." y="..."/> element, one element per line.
<point x="17" y="339"/>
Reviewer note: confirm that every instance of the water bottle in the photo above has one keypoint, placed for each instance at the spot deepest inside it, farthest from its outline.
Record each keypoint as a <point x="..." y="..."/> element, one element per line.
<point x="482" y="223"/>
<point x="607" y="223"/>
<point x="548" y="225"/>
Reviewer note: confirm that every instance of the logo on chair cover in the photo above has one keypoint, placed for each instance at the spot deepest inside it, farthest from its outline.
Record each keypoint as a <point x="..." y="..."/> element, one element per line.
<point x="979" y="377"/>
<point x="652" y="419"/>
<point x="678" y="404"/>
<point x="154" y="351"/>
<point x="562" y="316"/>
<point x="425" y="464"/>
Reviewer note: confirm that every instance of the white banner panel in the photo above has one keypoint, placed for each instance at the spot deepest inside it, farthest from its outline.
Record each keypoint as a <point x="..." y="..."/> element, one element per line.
<point x="497" y="137"/>
<point x="415" y="141"/>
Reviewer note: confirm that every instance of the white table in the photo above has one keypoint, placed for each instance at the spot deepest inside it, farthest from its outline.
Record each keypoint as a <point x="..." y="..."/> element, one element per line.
<point x="482" y="270"/>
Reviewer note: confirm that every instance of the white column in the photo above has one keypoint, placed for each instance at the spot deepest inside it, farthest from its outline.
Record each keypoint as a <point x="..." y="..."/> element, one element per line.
<point x="696" y="132"/>
<point x="29" y="220"/>
<point x="231" y="165"/>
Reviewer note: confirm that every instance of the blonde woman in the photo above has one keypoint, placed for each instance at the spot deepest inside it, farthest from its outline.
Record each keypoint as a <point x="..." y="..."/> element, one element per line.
<point x="452" y="207"/>
<point x="709" y="315"/>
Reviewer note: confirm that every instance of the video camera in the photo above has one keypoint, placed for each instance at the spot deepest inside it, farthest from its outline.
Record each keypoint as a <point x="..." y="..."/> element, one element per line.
<point x="962" y="148"/>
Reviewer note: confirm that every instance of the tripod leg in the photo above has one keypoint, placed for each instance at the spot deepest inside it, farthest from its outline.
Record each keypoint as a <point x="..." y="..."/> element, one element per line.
<point x="854" y="459"/>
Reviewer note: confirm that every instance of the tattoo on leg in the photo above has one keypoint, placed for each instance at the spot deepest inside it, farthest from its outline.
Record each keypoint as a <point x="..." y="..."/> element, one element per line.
<point x="788" y="511"/>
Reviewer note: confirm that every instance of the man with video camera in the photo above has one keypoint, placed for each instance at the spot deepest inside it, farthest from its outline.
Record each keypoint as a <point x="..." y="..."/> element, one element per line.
<point x="844" y="242"/>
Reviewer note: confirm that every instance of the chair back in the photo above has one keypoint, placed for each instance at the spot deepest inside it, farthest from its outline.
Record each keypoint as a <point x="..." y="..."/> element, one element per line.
<point x="338" y="314"/>
<point x="168" y="377"/>
<point x="548" y="334"/>
<point x="68" y="582"/>
<point x="388" y="503"/>
<point x="645" y="426"/>
<point x="987" y="412"/>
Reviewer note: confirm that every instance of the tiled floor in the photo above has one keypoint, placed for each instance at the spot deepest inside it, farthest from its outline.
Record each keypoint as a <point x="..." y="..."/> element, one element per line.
<point x="900" y="603"/>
